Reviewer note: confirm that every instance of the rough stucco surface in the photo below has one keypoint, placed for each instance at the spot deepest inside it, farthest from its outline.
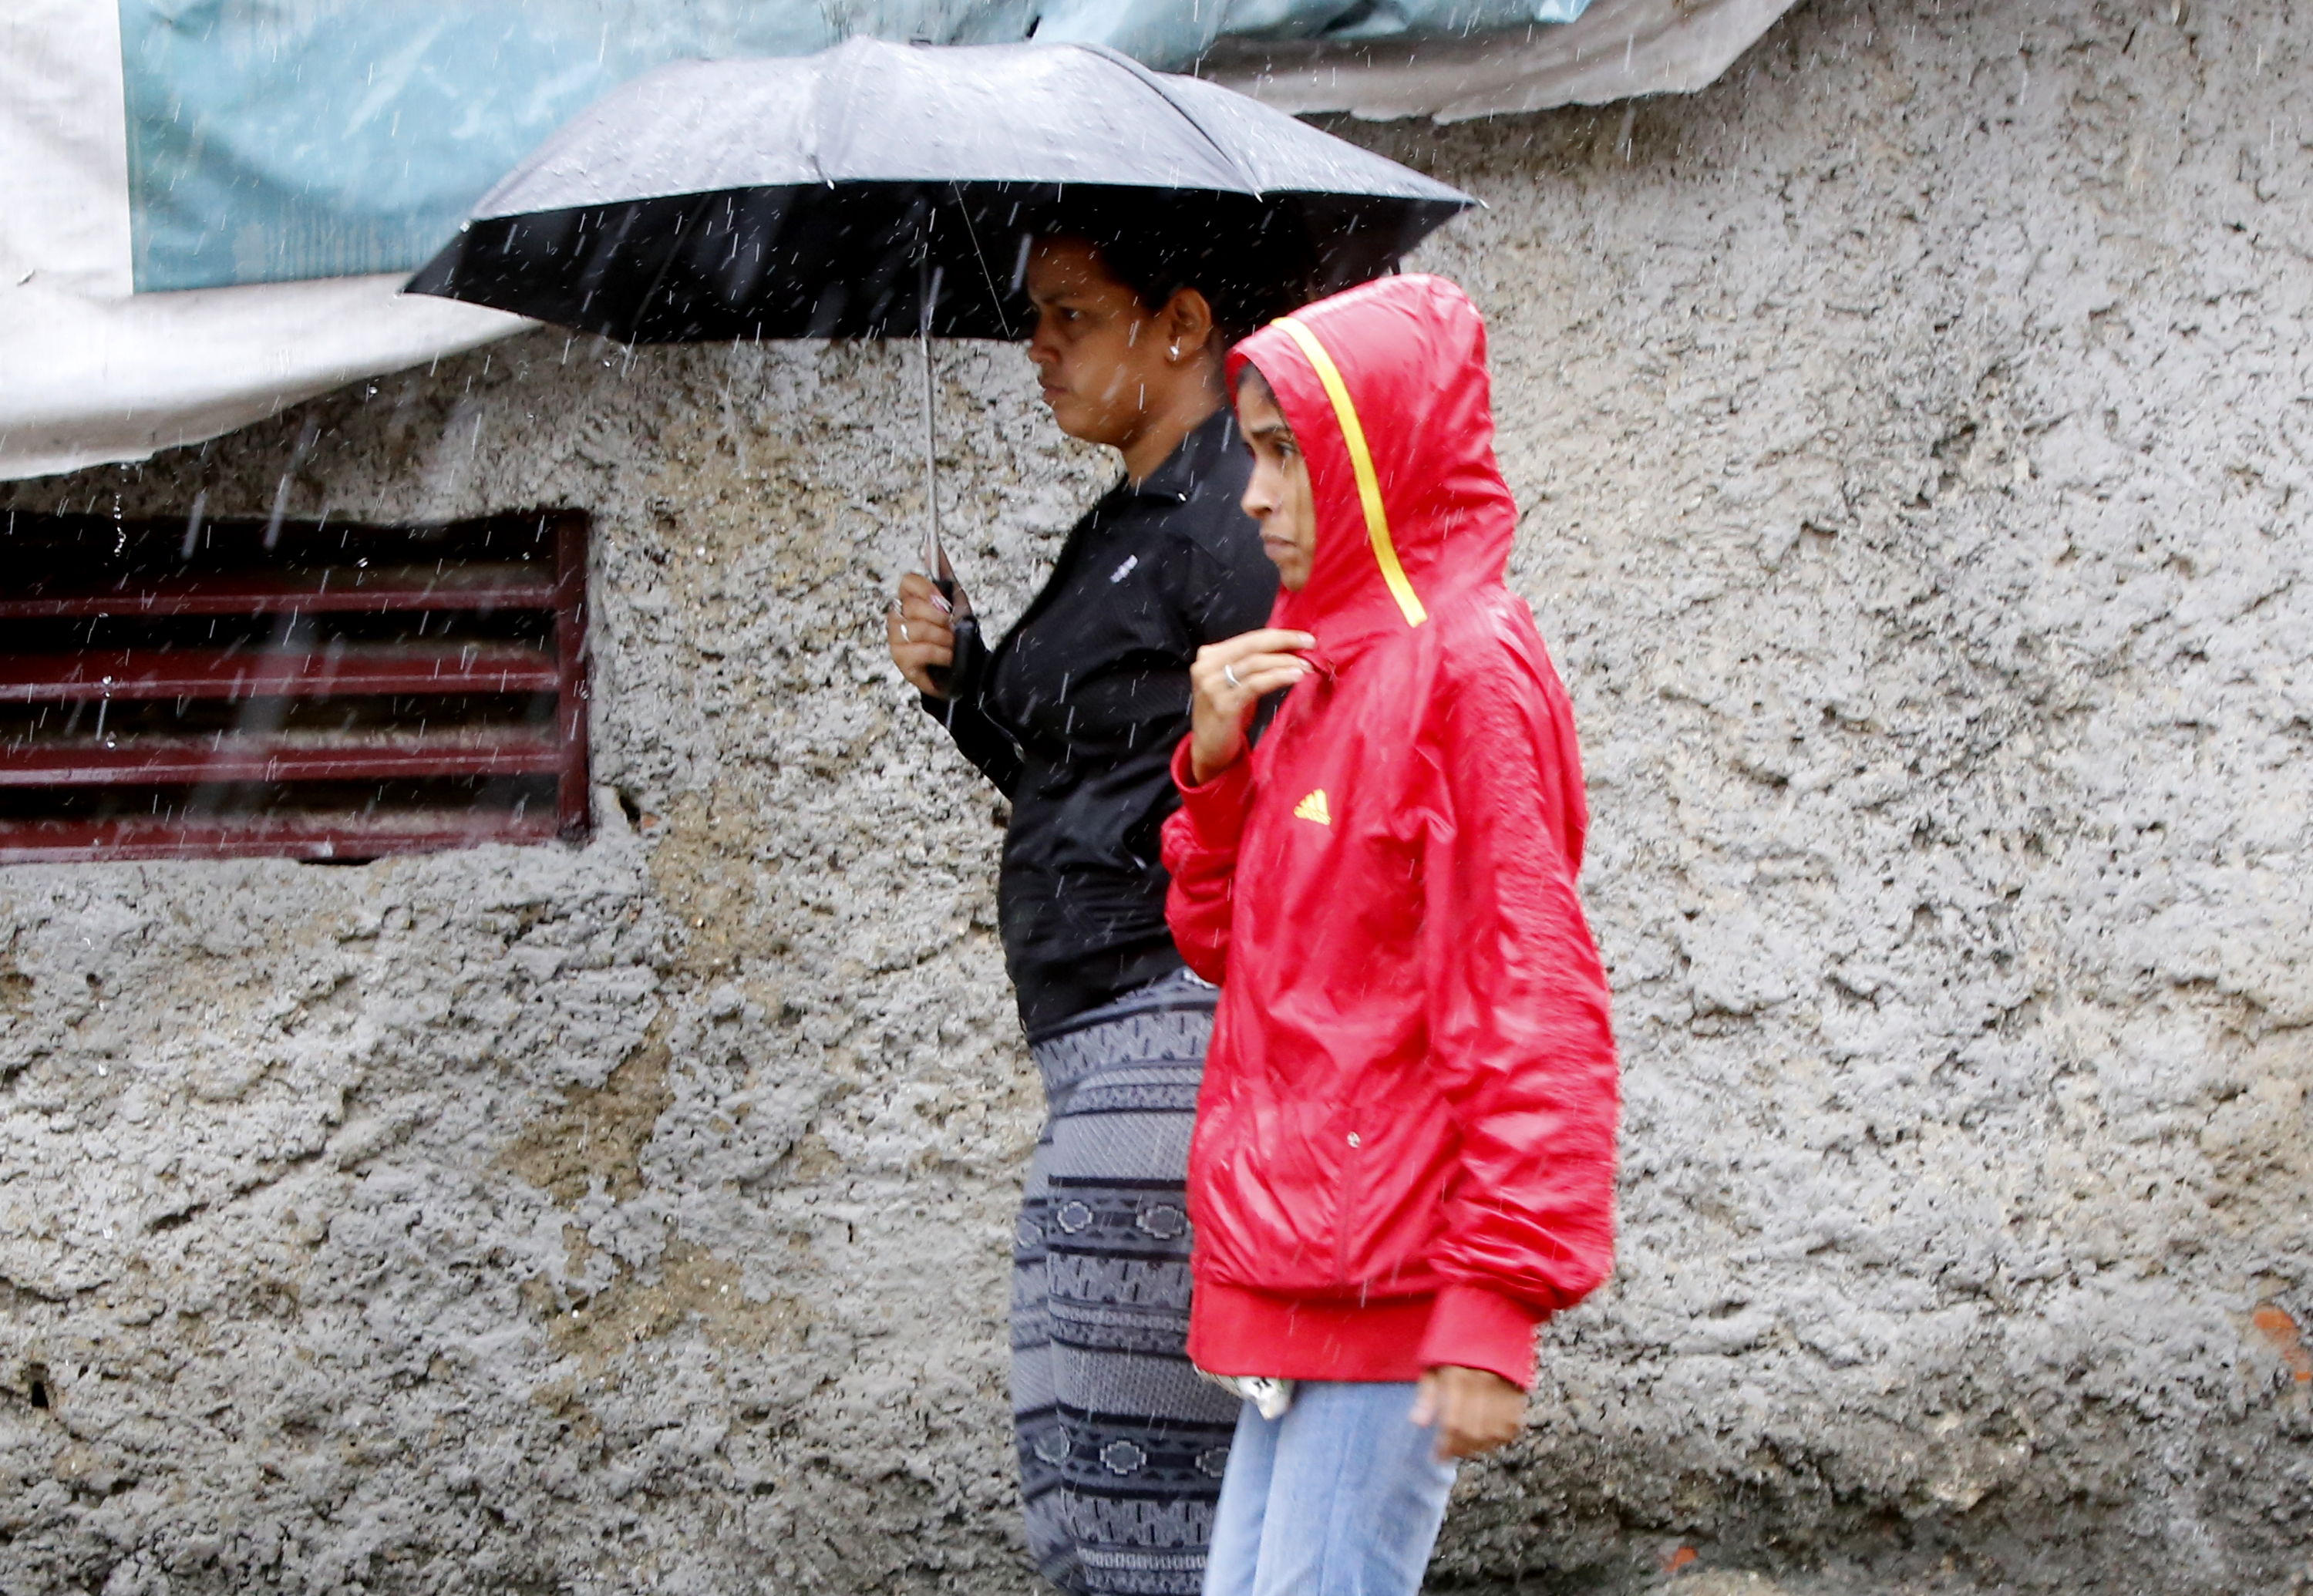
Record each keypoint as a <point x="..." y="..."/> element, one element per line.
<point x="1912" y="433"/>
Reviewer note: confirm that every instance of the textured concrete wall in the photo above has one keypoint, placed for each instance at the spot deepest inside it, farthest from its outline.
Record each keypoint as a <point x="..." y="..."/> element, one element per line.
<point x="1912" y="436"/>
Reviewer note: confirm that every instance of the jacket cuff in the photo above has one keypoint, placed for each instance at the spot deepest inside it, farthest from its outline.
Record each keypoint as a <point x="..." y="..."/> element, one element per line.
<point x="1216" y="810"/>
<point x="1471" y="1327"/>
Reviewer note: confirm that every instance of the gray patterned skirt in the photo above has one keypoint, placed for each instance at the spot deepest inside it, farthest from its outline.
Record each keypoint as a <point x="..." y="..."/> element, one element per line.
<point x="1121" y="1443"/>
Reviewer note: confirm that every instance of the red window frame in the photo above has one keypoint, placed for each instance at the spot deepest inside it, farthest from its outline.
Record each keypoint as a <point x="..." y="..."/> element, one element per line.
<point x="530" y="562"/>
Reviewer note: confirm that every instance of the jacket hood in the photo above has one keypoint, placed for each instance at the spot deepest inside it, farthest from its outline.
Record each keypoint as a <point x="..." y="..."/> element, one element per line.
<point x="1387" y="391"/>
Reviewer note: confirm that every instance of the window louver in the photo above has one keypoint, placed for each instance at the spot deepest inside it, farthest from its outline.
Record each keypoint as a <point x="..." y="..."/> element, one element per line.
<point x="314" y="690"/>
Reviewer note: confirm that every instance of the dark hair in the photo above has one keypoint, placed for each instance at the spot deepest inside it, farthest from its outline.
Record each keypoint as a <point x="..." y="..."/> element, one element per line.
<point x="1249" y="373"/>
<point x="1248" y="273"/>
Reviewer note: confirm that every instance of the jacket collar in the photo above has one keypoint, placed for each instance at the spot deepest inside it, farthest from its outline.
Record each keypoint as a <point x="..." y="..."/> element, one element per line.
<point x="1191" y="461"/>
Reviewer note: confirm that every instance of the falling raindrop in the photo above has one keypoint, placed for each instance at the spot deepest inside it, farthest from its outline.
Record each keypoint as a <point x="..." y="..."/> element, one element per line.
<point x="193" y="519"/>
<point x="306" y="437"/>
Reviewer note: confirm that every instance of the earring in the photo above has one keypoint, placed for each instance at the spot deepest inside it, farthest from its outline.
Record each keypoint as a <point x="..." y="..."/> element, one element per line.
<point x="1176" y="351"/>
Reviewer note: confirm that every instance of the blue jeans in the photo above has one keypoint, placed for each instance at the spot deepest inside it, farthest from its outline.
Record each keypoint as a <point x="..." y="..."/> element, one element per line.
<point x="1341" y="1496"/>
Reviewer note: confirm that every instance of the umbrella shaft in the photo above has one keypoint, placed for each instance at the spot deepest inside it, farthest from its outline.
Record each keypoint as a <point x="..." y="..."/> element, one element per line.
<point x="936" y="564"/>
<point x="932" y="552"/>
<point x="935" y="557"/>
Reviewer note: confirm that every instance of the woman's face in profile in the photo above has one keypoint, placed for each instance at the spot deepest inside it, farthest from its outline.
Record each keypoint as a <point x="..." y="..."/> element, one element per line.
<point x="1277" y="496"/>
<point x="1099" y="354"/>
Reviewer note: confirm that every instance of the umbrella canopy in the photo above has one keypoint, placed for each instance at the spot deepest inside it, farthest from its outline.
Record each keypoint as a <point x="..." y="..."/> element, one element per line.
<point x="846" y="194"/>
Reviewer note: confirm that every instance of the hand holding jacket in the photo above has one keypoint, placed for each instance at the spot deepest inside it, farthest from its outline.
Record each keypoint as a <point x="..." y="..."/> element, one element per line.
<point x="1226" y="683"/>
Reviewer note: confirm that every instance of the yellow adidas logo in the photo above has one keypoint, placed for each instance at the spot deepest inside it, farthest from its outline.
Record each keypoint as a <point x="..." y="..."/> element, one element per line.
<point x="1313" y="808"/>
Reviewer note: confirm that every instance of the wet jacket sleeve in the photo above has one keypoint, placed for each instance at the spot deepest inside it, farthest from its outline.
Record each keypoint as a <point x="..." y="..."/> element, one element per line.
<point x="1519" y="1024"/>
<point x="982" y="740"/>
<point x="1201" y="839"/>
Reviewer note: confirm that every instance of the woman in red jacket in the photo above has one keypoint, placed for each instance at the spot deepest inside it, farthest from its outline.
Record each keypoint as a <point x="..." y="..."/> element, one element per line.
<point x="1403" y="1159"/>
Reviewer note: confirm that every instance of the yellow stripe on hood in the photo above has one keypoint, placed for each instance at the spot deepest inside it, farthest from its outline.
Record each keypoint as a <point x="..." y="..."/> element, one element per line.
<point x="1353" y="435"/>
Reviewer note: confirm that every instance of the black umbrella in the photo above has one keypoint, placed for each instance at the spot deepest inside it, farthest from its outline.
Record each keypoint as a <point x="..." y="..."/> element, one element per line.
<point x="812" y="196"/>
<point x="877" y="190"/>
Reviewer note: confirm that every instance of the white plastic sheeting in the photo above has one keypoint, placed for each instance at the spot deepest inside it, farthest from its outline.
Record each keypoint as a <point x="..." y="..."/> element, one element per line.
<point x="91" y="372"/>
<point x="1619" y="48"/>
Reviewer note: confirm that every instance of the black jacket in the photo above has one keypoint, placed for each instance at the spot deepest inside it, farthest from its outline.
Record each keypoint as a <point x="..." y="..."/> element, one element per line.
<point x="1074" y="716"/>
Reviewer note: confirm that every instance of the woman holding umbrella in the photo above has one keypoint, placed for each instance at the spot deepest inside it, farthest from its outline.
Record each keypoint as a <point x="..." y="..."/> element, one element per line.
<point x="876" y="190"/>
<point x="1074" y="716"/>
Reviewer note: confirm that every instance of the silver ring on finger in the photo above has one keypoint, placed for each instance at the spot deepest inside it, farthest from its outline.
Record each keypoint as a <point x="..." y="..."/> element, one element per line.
<point x="903" y="633"/>
<point x="1229" y="673"/>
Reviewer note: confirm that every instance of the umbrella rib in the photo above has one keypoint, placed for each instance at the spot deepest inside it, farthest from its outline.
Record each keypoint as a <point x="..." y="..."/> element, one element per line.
<point x="1149" y="80"/>
<point x="823" y="93"/>
<point x="955" y="192"/>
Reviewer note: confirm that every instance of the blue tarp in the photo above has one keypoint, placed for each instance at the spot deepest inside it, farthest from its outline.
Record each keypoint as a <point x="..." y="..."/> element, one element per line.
<point x="272" y="140"/>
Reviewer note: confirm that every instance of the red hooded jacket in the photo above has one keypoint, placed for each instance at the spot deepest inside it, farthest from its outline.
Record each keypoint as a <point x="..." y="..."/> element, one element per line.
<point x="1405" y="1145"/>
